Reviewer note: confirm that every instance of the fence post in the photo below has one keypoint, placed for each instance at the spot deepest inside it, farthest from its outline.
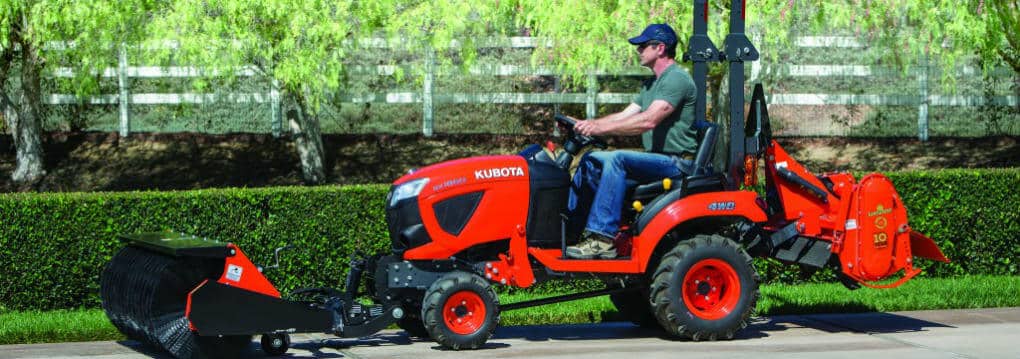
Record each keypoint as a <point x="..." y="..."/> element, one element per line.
<point x="592" y="93"/>
<point x="556" y="106"/>
<point x="922" y="108"/>
<point x="426" y="96"/>
<point x="276" y="116"/>
<point x="125" y="124"/>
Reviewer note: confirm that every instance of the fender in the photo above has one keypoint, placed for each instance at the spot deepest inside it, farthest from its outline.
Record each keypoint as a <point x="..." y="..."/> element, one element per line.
<point x="729" y="204"/>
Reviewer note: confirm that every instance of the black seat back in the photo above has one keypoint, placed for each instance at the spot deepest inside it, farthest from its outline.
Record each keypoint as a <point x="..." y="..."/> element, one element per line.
<point x="703" y="159"/>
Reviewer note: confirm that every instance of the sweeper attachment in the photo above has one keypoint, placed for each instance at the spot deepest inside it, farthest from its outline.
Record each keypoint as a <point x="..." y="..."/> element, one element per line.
<point x="196" y="298"/>
<point x="461" y="227"/>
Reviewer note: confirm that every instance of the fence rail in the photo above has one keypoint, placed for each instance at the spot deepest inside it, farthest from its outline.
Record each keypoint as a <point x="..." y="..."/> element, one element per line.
<point x="427" y="97"/>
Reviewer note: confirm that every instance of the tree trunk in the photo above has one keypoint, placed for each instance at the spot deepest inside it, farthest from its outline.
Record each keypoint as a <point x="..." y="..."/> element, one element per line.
<point x="304" y="125"/>
<point x="22" y="117"/>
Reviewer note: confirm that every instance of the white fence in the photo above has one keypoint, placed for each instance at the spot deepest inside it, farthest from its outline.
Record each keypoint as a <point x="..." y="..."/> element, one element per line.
<point x="591" y="97"/>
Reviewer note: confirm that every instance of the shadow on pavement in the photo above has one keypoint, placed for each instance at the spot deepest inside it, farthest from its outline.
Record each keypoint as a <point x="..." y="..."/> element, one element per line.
<point x="870" y="323"/>
<point x="144" y="349"/>
<point x="760" y="327"/>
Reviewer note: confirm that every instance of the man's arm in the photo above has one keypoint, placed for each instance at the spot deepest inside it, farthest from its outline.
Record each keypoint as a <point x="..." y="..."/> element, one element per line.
<point x="630" y="121"/>
<point x="631" y="110"/>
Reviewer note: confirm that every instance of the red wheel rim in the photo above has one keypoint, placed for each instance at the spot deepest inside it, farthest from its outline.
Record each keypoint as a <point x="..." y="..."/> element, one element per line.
<point x="711" y="289"/>
<point x="464" y="312"/>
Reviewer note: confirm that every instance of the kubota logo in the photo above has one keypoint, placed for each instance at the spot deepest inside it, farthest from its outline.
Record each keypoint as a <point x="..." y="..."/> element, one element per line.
<point x="499" y="172"/>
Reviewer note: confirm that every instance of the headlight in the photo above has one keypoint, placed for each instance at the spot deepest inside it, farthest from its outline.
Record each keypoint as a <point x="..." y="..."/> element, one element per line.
<point x="407" y="190"/>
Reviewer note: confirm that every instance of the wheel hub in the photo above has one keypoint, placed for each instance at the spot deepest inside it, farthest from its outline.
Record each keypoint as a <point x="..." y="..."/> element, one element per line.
<point x="464" y="312"/>
<point x="703" y="288"/>
<point x="711" y="289"/>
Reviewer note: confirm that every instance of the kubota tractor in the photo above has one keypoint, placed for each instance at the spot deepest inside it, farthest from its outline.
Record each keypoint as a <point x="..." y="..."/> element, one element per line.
<point x="458" y="228"/>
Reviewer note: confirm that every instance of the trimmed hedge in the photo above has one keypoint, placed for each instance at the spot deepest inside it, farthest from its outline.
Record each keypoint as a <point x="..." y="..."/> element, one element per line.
<point x="54" y="245"/>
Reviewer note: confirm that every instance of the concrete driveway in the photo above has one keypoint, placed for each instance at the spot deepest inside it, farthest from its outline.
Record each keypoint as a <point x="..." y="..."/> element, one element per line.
<point x="971" y="333"/>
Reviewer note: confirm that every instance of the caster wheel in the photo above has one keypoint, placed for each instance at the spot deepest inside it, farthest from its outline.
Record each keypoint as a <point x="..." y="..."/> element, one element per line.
<point x="275" y="344"/>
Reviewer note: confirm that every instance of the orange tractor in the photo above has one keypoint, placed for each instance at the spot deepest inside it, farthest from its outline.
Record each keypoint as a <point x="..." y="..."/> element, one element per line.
<point x="462" y="227"/>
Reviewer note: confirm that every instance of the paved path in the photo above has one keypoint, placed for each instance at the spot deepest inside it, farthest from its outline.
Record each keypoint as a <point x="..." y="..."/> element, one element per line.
<point x="972" y="333"/>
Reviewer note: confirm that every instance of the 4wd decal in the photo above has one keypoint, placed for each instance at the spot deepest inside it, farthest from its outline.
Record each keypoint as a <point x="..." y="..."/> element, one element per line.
<point x="722" y="206"/>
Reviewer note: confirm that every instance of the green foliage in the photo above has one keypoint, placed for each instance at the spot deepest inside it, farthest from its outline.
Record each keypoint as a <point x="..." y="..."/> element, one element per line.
<point x="943" y="30"/>
<point x="53" y="246"/>
<point x="300" y="44"/>
<point x="56" y="327"/>
<point x="92" y="31"/>
<point x="971" y="214"/>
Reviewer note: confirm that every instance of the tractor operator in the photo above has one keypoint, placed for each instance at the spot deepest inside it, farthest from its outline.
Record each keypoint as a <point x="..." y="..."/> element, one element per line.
<point x="663" y="114"/>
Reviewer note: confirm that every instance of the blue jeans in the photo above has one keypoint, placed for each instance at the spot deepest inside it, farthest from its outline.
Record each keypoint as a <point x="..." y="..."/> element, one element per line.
<point x="600" y="184"/>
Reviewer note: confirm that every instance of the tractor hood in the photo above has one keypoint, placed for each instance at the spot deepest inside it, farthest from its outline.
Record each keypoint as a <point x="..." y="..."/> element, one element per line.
<point x="465" y="172"/>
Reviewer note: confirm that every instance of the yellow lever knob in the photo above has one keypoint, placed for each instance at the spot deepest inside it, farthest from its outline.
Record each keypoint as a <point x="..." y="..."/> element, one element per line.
<point x="667" y="183"/>
<point x="638" y="206"/>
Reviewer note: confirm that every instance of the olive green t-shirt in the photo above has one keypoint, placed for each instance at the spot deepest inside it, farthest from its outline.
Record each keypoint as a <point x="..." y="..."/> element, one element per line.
<point x="676" y="133"/>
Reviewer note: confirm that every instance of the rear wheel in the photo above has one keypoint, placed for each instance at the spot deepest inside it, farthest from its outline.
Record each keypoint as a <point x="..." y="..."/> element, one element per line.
<point x="704" y="289"/>
<point x="635" y="307"/>
<point x="460" y="311"/>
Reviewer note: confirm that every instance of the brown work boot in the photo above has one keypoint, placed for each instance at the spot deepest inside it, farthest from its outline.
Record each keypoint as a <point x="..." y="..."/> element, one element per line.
<point x="592" y="245"/>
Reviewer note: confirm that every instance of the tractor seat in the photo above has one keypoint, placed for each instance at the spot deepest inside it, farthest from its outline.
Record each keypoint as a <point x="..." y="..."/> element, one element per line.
<point x="698" y="173"/>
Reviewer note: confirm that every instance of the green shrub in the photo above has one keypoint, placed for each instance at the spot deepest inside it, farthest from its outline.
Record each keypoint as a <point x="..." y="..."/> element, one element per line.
<point x="54" y="245"/>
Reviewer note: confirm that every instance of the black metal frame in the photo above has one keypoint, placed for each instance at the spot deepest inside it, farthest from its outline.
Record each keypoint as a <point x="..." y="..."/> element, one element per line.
<point x="737" y="49"/>
<point x="565" y="298"/>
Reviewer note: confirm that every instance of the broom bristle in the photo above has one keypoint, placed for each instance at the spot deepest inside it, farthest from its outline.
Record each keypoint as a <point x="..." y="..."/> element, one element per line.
<point x="145" y="293"/>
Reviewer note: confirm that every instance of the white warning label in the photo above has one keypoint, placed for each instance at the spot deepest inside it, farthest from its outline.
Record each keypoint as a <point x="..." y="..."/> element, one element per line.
<point x="234" y="273"/>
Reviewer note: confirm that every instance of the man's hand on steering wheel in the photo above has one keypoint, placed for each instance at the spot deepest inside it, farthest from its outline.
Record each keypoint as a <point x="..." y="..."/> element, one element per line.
<point x="581" y="140"/>
<point x="588" y="128"/>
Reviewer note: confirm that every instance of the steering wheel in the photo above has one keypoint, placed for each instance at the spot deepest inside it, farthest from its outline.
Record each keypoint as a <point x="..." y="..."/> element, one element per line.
<point x="576" y="141"/>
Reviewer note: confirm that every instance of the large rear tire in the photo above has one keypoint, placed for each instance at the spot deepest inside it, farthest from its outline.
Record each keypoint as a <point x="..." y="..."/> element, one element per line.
<point x="704" y="289"/>
<point x="461" y="311"/>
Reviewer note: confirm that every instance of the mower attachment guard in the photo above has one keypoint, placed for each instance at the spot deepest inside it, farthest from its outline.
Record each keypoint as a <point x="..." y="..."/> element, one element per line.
<point x="178" y="244"/>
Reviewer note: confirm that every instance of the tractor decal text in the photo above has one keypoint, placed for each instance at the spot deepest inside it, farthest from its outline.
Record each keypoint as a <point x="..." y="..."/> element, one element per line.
<point x="722" y="206"/>
<point x="879" y="211"/>
<point x="449" y="183"/>
<point x="881" y="240"/>
<point x="499" y="172"/>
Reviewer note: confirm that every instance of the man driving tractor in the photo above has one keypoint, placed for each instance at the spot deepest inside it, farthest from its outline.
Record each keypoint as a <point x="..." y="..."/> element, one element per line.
<point x="663" y="114"/>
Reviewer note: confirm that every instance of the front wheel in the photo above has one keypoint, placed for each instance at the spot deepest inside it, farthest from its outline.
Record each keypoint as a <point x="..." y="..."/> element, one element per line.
<point x="704" y="289"/>
<point x="460" y="311"/>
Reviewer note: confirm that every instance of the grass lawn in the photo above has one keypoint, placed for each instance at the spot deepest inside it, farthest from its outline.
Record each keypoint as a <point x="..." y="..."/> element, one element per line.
<point x="918" y="294"/>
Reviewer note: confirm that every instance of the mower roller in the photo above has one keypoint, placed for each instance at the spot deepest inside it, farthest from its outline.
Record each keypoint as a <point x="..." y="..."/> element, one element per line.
<point x="461" y="227"/>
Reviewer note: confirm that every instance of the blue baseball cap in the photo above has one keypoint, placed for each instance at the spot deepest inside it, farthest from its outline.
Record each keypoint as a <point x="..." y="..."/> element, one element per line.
<point x="658" y="32"/>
